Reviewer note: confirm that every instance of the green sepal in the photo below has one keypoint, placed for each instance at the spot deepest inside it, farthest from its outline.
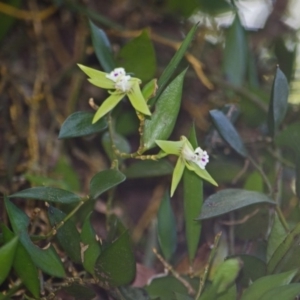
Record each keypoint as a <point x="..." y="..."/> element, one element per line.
<point x="170" y="147"/>
<point x="177" y="174"/>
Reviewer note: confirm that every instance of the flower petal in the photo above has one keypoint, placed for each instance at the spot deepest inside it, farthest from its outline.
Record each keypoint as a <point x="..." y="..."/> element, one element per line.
<point x="177" y="174"/>
<point x="107" y="106"/>
<point x="137" y="100"/>
<point x="170" y="147"/>
<point x="200" y="172"/>
<point x="97" y="78"/>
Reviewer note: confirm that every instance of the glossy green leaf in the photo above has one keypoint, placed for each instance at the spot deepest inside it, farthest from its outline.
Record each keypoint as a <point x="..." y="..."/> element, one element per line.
<point x="79" y="291"/>
<point x="173" y="64"/>
<point x="7" y="21"/>
<point x="116" y="264"/>
<point x="164" y="287"/>
<point x="286" y="292"/>
<point x="48" y="194"/>
<point x="67" y="235"/>
<point x="278" y="102"/>
<point x="228" y="132"/>
<point x="177" y="174"/>
<point x="229" y="200"/>
<point x="102" y="48"/>
<point x="193" y="200"/>
<point x="98" y="78"/>
<point x="253" y="268"/>
<point x="80" y="124"/>
<point x="276" y="237"/>
<point x="162" y="121"/>
<point x="179" y="296"/>
<point x="104" y="181"/>
<point x="47" y="260"/>
<point x="120" y="142"/>
<point x="235" y="53"/>
<point x="108" y="105"/>
<point x="91" y="247"/>
<point x="166" y="228"/>
<point x="283" y="249"/>
<point x="265" y="284"/>
<point x="7" y="254"/>
<point x="137" y="100"/>
<point x="130" y="58"/>
<point x="149" y="168"/>
<point x="224" y="278"/>
<point x="132" y="293"/>
<point x="23" y="265"/>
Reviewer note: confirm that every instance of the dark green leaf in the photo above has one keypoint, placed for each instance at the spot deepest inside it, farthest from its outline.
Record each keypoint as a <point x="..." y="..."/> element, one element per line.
<point x="149" y="168"/>
<point x="47" y="260"/>
<point x="193" y="200"/>
<point x="290" y="138"/>
<point x="120" y="142"/>
<point x="79" y="291"/>
<point x="91" y="248"/>
<point x="264" y="284"/>
<point x="214" y="7"/>
<point x="7" y="254"/>
<point x="229" y="200"/>
<point x="182" y="297"/>
<point x="24" y="266"/>
<point x="116" y="264"/>
<point x="162" y="121"/>
<point x="228" y="132"/>
<point x="102" y="48"/>
<point x="104" y="181"/>
<point x="171" y="67"/>
<point x="276" y="237"/>
<point x="235" y="53"/>
<point x="80" y="124"/>
<point x="291" y="241"/>
<point x="278" y="102"/>
<point x="131" y="293"/>
<point x="130" y="58"/>
<point x="286" y="292"/>
<point x="166" y="228"/>
<point x="67" y="235"/>
<point x="7" y="21"/>
<point x="48" y="194"/>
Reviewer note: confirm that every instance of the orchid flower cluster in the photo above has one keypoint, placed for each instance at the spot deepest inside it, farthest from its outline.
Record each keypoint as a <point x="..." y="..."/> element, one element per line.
<point x="120" y="85"/>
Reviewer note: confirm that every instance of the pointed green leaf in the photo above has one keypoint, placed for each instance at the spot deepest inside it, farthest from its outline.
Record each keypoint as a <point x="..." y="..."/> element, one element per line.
<point x="166" y="228"/>
<point x="284" y="252"/>
<point x="162" y="121"/>
<point x="102" y="48"/>
<point x="47" y="260"/>
<point x="116" y="264"/>
<point x="228" y="132"/>
<point x="229" y="200"/>
<point x="193" y="199"/>
<point x="286" y="292"/>
<point x="80" y="124"/>
<point x="78" y="291"/>
<point x="265" y="284"/>
<point x="7" y="254"/>
<point x="276" y="237"/>
<point x="173" y="64"/>
<point x="130" y="58"/>
<point x="98" y="78"/>
<point x="137" y="100"/>
<point x="104" y="181"/>
<point x="67" y="235"/>
<point x="278" y="102"/>
<point x="23" y="265"/>
<point x="182" y="297"/>
<point x="48" y="194"/>
<point x="177" y="174"/>
<point x="108" y="105"/>
<point x="149" y="168"/>
<point x="170" y="147"/>
<point x="235" y="53"/>
<point x="91" y="247"/>
<point x="133" y="293"/>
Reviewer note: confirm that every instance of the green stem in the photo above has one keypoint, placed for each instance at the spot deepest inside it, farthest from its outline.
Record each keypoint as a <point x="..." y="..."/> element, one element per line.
<point x="11" y="292"/>
<point x="207" y="266"/>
